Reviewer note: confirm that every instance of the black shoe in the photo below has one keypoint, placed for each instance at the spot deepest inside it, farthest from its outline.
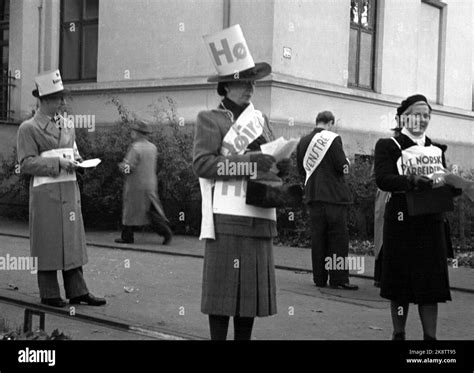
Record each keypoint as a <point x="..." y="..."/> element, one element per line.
<point x="346" y="286"/>
<point x="398" y="336"/>
<point x="88" y="299"/>
<point x="321" y="285"/>
<point x="121" y="240"/>
<point x="168" y="237"/>
<point x="54" y="302"/>
<point x="427" y="337"/>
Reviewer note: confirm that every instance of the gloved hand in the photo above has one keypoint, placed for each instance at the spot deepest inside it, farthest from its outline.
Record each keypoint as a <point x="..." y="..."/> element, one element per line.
<point x="284" y="166"/>
<point x="264" y="161"/>
<point x="421" y="182"/>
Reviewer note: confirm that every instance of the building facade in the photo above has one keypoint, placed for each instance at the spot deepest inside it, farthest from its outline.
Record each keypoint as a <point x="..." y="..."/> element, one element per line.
<point x="357" y="58"/>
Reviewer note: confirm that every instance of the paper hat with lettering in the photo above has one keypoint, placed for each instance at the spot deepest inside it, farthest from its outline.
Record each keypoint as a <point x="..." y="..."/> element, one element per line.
<point x="231" y="57"/>
<point x="48" y="83"/>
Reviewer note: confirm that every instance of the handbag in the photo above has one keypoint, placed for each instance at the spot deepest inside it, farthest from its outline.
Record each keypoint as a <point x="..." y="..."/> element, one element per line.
<point x="262" y="193"/>
<point x="431" y="201"/>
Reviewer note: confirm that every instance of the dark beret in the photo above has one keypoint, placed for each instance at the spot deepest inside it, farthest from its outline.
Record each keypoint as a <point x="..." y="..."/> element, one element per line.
<point x="410" y="101"/>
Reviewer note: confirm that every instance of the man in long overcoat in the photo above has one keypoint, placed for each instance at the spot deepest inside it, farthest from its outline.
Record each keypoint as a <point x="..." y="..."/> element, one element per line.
<point x="141" y="204"/>
<point x="47" y="151"/>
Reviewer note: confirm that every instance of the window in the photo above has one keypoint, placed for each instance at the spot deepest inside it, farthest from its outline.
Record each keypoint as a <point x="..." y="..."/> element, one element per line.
<point x="79" y="39"/>
<point x="361" y="44"/>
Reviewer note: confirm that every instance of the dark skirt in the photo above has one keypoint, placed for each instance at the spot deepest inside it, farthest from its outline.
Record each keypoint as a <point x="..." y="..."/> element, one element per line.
<point x="239" y="277"/>
<point x="414" y="262"/>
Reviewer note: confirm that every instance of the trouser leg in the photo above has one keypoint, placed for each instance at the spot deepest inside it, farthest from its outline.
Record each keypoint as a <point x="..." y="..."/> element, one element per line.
<point x="74" y="283"/>
<point x="160" y="225"/>
<point x="337" y="241"/>
<point x="48" y="285"/>
<point x="318" y="243"/>
<point x="127" y="233"/>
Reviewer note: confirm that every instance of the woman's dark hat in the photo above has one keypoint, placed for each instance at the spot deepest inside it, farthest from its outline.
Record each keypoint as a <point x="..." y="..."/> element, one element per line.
<point x="410" y="101"/>
<point x="405" y="104"/>
<point x="141" y="127"/>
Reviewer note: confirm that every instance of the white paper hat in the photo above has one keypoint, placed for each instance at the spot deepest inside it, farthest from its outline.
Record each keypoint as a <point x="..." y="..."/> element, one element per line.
<point x="230" y="55"/>
<point x="48" y="83"/>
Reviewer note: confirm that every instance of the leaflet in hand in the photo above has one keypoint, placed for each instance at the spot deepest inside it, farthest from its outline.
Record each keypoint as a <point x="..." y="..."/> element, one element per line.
<point x="89" y="163"/>
<point x="280" y="148"/>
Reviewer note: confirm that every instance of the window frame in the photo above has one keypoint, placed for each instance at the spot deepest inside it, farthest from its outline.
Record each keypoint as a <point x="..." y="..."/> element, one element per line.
<point x="373" y="32"/>
<point x="81" y="22"/>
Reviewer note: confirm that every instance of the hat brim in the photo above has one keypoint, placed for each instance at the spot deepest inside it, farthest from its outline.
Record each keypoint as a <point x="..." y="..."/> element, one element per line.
<point x="261" y="70"/>
<point x="63" y="92"/>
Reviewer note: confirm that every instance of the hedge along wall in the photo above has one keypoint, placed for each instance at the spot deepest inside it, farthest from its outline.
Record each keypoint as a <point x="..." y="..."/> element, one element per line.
<point x="101" y="188"/>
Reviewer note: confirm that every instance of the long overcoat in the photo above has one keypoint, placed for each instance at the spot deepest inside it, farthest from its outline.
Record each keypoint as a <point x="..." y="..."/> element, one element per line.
<point x="57" y="234"/>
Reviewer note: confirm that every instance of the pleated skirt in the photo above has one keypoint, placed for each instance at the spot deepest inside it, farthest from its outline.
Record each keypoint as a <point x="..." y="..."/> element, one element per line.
<point x="239" y="277"/>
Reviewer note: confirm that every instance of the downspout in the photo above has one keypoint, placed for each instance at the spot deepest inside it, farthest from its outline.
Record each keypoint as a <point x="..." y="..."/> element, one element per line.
<point x="40" y="35"/>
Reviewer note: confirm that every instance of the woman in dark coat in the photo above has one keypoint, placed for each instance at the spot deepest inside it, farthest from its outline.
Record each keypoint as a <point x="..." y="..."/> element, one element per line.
<point x="414" y="267"/>
<point x="239" y="273"/>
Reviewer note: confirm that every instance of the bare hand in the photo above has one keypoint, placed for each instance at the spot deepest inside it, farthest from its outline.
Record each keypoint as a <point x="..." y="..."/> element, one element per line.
<point x="67" y="164"/>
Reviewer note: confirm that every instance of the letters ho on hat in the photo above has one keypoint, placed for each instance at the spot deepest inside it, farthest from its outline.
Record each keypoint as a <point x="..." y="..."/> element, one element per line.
<point x="231" y="57"/>
<point x="48" y="83"/>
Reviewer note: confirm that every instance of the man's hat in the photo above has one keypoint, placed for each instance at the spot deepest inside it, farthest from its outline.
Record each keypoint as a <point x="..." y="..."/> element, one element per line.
<point x="231" y="57"/>
<point x="141" y="127"/>
<point x="48" y="83"/>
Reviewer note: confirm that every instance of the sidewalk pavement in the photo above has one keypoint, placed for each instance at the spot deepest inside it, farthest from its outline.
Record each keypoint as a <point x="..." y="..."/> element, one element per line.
<point x="294" y="258"/>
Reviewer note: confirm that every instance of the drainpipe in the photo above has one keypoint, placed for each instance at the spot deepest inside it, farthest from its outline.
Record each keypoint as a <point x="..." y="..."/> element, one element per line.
<point x="40" y="35"/>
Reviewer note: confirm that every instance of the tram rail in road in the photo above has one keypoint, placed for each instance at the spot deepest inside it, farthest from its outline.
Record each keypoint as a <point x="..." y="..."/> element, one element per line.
<point x="105" y="322"/>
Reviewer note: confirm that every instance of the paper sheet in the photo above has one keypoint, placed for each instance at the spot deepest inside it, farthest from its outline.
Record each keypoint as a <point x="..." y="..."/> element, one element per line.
<point x="280" y="148"/>
<point x="89" y="163"/>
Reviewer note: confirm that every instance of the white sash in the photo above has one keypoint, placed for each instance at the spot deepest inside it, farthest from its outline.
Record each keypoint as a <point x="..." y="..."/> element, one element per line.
<point x="420" y="160"/>
<point x="63" y="175"/>
<point x="229" y="196"/>
<point x="316" y="151"/>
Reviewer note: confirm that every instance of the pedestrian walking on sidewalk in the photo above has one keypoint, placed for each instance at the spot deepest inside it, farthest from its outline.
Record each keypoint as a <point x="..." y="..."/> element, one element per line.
<point x="322" y="164"/>
<point x="141" y="204"/>
<point x="415" y="246"/>
<point x="47" y="151"/>
<point x="239" y="271"/>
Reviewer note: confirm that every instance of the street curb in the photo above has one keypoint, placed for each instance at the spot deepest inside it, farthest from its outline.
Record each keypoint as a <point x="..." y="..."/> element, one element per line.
<point x="197" y="256"/>
<point x="101" y="321"/>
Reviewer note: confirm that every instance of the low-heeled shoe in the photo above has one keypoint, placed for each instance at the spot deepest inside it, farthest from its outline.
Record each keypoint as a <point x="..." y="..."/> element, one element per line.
<point x="88" y="299"/>
<point x="54" y="302"/>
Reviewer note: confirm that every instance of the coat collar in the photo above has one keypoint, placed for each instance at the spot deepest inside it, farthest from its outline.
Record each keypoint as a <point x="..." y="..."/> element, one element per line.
<point x="42" y="119"/>
<point x="406" y="142"/>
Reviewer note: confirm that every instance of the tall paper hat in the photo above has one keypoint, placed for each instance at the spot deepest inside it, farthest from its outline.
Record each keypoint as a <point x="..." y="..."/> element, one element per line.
<point x="231" y="57"/>
<point x="48" y="83"/>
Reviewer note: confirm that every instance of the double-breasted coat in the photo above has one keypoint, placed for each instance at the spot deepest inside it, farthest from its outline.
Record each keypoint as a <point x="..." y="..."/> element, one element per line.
<point x="140" y="187"/>
<point x="57" y="234"/>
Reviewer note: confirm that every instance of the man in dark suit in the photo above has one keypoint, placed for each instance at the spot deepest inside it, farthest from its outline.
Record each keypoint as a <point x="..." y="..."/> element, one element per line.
<point x="322" y="164"/>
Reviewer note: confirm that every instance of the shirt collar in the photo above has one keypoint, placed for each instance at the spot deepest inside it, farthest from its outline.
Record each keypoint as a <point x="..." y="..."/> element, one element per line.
<point x="419" y="140"/>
